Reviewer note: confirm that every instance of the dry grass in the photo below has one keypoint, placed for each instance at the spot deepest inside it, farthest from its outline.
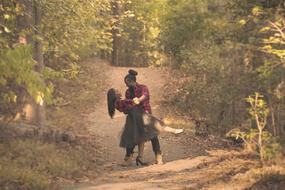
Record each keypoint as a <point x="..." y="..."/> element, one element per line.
<point x="241" y="170"/>
<point x="32" y="163"/>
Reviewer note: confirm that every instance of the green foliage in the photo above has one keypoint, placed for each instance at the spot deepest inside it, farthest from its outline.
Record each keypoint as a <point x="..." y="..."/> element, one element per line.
<point x="257" y="139"/>
<point x="201" y="50"/>
<point x="74" y="29"/>
<point x="229" y="49"/>
<point x="17" y="75"/>
<point x="9" y="10"/>
<point x="69" y="31"/>
<point x="258" y="110"/>
<point x="196" y="18"/>
<point x="139" y="30"/>
<point x="271" y="146"/>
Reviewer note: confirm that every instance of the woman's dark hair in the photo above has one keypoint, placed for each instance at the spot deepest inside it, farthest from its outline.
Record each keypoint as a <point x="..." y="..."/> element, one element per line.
<point x="132" y="75"/>
<point x="111" y="98"/>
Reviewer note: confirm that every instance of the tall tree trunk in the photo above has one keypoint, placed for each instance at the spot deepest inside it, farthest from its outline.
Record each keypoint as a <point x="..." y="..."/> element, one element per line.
<point x="40" y="115"/>
<point x="30" y="21"/>
<point x="38" y="50"/>
<point x="25" y="21"/>
<point x="116" y="6"/>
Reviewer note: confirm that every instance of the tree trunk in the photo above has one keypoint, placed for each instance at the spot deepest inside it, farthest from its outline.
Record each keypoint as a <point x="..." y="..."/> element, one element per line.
<point x="38" y="52"/>
<point x="30" y="21"/>
<point x="38" y="56"/>
<point x="116" y="32"/>
<point x="24" y="22"/>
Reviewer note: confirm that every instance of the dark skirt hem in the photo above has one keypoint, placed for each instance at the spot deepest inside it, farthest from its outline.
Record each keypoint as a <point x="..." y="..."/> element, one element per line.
<point x="136" y="131"/>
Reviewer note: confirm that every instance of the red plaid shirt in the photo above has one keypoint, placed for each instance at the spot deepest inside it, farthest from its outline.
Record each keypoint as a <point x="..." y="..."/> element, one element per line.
<point x="141" y="90"/>
<point x="127" y="104"/>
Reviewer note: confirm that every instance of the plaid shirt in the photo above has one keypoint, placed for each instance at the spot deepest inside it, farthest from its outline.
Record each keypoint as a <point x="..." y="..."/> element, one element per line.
<point x="141" y="90"/>
<point x="127" y="104"/>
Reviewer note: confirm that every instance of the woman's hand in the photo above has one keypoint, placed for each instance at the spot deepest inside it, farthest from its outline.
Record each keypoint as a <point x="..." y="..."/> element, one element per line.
<point x="118" y="93"/>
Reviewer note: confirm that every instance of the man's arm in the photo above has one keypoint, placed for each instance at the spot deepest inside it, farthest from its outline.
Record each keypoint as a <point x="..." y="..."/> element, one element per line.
<point x="143" y="97"/>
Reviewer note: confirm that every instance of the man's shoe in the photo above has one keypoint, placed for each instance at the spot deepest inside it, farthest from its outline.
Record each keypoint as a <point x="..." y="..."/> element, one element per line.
<point x="158" y="159"/>
<point x="128" y="161"/>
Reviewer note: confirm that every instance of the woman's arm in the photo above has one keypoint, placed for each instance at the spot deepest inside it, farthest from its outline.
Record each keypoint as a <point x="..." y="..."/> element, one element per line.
<point x="124" y="105"/>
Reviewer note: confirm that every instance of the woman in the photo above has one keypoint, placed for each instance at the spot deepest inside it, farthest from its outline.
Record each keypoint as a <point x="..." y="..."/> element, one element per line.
<point x="140" y="95"/>
<point x="139" y="127"/>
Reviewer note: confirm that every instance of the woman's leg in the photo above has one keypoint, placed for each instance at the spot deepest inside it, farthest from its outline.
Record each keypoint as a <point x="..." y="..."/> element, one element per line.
<point x="139" y="159"/>
<point x="172" y="130"/>
<point x="159" y="125"/>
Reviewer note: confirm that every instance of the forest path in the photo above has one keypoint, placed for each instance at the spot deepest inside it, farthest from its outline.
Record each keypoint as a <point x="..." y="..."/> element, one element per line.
<point x="187" y="165"/>
<point x="109" y="129"/>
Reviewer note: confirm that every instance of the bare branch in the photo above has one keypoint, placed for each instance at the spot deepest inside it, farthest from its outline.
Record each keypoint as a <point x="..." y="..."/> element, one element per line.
<point x="278" y="29"/>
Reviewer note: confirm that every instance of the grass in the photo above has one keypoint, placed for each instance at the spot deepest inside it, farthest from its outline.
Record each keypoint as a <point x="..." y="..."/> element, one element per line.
<point x="31" y="164"/>
<point x="267" y="177"/>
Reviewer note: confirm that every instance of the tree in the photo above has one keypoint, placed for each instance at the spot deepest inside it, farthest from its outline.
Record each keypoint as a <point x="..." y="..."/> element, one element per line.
<point x="229" y="50"/>
<point x="116" y="7"/>
<point x="47" y="39"/>
<point x="29" y="23"/>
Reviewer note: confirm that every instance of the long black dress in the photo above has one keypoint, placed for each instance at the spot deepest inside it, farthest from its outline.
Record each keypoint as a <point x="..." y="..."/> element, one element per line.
<point x="137" y="130"/>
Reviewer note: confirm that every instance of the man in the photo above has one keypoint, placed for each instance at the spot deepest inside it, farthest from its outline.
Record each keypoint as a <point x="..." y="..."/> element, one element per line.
<point x="140" y="95"/>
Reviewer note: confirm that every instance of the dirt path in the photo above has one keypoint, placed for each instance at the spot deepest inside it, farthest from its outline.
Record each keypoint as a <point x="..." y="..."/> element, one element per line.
<point x="109" y="129"/>
<point x="188" y="162"/>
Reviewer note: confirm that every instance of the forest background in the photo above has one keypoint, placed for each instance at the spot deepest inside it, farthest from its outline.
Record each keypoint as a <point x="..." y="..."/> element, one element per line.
<point x="227" y="59"/>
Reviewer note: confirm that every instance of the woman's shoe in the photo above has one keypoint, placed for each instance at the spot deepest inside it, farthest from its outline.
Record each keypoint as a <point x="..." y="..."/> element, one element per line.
<point x="172" y="130"/>
<point x="178" y="131"/>
<point x="140" y="162"/>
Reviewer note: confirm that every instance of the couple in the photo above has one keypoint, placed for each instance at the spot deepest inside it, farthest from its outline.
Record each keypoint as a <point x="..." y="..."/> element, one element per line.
<point x="140" y="125"/>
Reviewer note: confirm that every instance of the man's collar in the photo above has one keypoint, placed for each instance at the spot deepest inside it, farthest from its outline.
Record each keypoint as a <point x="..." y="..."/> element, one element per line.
<point x="137" y="85"/>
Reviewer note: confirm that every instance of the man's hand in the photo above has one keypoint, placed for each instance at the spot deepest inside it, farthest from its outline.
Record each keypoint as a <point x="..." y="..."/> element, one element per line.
<point x="136" y="101"/>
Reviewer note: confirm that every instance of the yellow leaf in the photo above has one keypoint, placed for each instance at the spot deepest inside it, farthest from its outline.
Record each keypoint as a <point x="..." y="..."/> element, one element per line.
<point x="14" y="98"/>
<point x="7" y="30"/>
<point x="242" y="22"/>
<point x="39" y="98"/>
<point x="256" y="11"/>
<point x="7" y="17"/>
<point x="264" y="29"/>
